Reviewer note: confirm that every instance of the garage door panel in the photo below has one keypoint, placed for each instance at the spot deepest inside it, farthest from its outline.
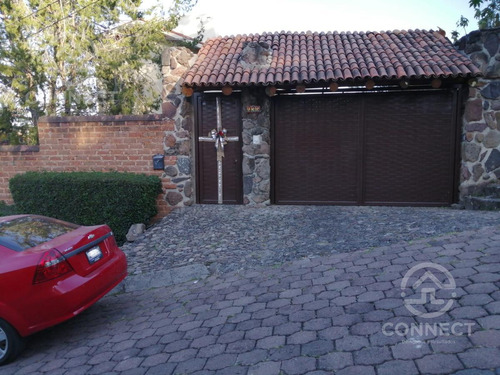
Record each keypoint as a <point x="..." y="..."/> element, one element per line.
<point x="377" y="148"/>
<point x="315" y="152"/>
<point x="409" y="153"/>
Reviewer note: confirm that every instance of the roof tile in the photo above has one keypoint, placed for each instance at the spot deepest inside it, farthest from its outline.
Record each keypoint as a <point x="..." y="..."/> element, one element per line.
<point x="302" y="58"/>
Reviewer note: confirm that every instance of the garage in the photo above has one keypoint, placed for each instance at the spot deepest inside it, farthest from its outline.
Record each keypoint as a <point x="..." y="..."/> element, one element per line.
<point x="384" y="148"/>
<point x="361" y="118"/>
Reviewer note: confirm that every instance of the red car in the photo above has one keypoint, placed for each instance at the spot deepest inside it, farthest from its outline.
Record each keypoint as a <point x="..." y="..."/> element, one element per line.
<point x="50" y="271"/>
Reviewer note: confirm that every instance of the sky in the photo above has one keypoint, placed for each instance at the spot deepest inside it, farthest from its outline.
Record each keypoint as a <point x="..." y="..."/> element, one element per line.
<point x="232" y="17"/>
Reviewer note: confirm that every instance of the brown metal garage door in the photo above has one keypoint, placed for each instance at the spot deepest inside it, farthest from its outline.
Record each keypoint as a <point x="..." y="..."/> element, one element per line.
<point x="382" y="148"/>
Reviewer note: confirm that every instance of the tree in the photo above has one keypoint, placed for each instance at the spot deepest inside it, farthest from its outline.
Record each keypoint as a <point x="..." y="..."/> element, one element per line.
<point x="77" y="57"/>
<point x="487" y="17"/>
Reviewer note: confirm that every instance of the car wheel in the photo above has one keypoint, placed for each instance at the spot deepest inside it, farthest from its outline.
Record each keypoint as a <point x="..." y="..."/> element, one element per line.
<point x="11" y="344"/>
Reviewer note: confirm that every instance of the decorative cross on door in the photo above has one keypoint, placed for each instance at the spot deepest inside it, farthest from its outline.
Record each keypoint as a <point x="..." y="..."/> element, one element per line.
<point x="220" y="138"/>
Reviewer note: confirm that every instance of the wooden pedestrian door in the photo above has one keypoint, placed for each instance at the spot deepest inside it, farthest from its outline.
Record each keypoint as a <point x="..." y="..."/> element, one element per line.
<point x="365" y="149"/>
<point x="206" y="121"/>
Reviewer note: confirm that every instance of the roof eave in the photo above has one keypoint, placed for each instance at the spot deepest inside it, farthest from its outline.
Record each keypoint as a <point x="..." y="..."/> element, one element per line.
<point x="357" y="82"/>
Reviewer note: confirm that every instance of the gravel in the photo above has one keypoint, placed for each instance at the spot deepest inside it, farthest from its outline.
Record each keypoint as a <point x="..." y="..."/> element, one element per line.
<point x="230" y="238"/>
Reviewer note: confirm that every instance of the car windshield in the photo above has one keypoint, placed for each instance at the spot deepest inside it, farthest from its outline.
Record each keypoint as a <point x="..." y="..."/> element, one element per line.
<point x="25" y="232"/>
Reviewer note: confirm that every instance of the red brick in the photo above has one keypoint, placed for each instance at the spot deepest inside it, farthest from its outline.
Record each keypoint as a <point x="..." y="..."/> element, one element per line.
<point x="90" y="145"/>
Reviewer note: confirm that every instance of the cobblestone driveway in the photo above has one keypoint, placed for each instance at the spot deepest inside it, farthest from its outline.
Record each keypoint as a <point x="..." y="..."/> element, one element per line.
<point x="342" y="313"/>
<point x="231" y="238"/>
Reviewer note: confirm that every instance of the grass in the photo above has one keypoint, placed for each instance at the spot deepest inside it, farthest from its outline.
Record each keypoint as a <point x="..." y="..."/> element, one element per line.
<point x="6" y="210"/>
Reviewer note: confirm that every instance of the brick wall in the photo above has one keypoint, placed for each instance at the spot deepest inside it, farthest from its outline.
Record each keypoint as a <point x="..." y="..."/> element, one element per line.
<point x="13" y="160"/>
<point x="98" y="143"/>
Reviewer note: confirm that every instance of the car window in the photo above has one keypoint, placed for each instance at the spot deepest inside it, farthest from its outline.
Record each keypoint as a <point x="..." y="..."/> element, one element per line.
<point x="25" y="232"/>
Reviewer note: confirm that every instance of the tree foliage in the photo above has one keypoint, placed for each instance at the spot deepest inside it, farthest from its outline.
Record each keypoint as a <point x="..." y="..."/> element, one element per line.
<point x="487" y="16"/>
<point x="77" y="57"/>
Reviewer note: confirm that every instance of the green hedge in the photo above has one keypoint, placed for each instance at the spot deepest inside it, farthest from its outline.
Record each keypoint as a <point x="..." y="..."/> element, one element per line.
<point x="7" y="210"/>
<point x="88" y="198"/>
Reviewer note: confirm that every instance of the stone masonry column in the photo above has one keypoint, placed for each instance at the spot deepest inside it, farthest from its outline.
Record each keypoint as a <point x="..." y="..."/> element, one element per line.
<point x="481" y="130"/>
<point x="177" y="143"/>
<point x="256" y="147"/>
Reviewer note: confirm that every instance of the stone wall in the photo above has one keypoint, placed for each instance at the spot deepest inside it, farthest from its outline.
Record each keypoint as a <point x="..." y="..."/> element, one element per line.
<point x="178" y="141"/>
<point x="481" y="120"/>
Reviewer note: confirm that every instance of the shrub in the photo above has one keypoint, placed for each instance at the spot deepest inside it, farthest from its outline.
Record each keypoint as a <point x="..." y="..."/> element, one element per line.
<point x="7" y="210"/>
<point x="88" y="198"/>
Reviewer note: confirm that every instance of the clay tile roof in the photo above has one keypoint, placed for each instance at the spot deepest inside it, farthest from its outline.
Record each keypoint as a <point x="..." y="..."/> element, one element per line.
<point x="308" y="58"/>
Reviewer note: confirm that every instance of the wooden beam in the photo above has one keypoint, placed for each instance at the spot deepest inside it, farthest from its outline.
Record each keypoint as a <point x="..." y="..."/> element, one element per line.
<point x="227" y="90"/>
<point x="334" y="86"/>
<point x="271" y="90"/>
<point x="436" y="83"/>
<point x="187" y="91"/>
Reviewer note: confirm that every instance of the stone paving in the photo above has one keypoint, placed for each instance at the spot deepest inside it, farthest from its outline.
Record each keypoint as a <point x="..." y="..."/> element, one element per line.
<point x="232" y="238"/>
<point x="345" y="313"/>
